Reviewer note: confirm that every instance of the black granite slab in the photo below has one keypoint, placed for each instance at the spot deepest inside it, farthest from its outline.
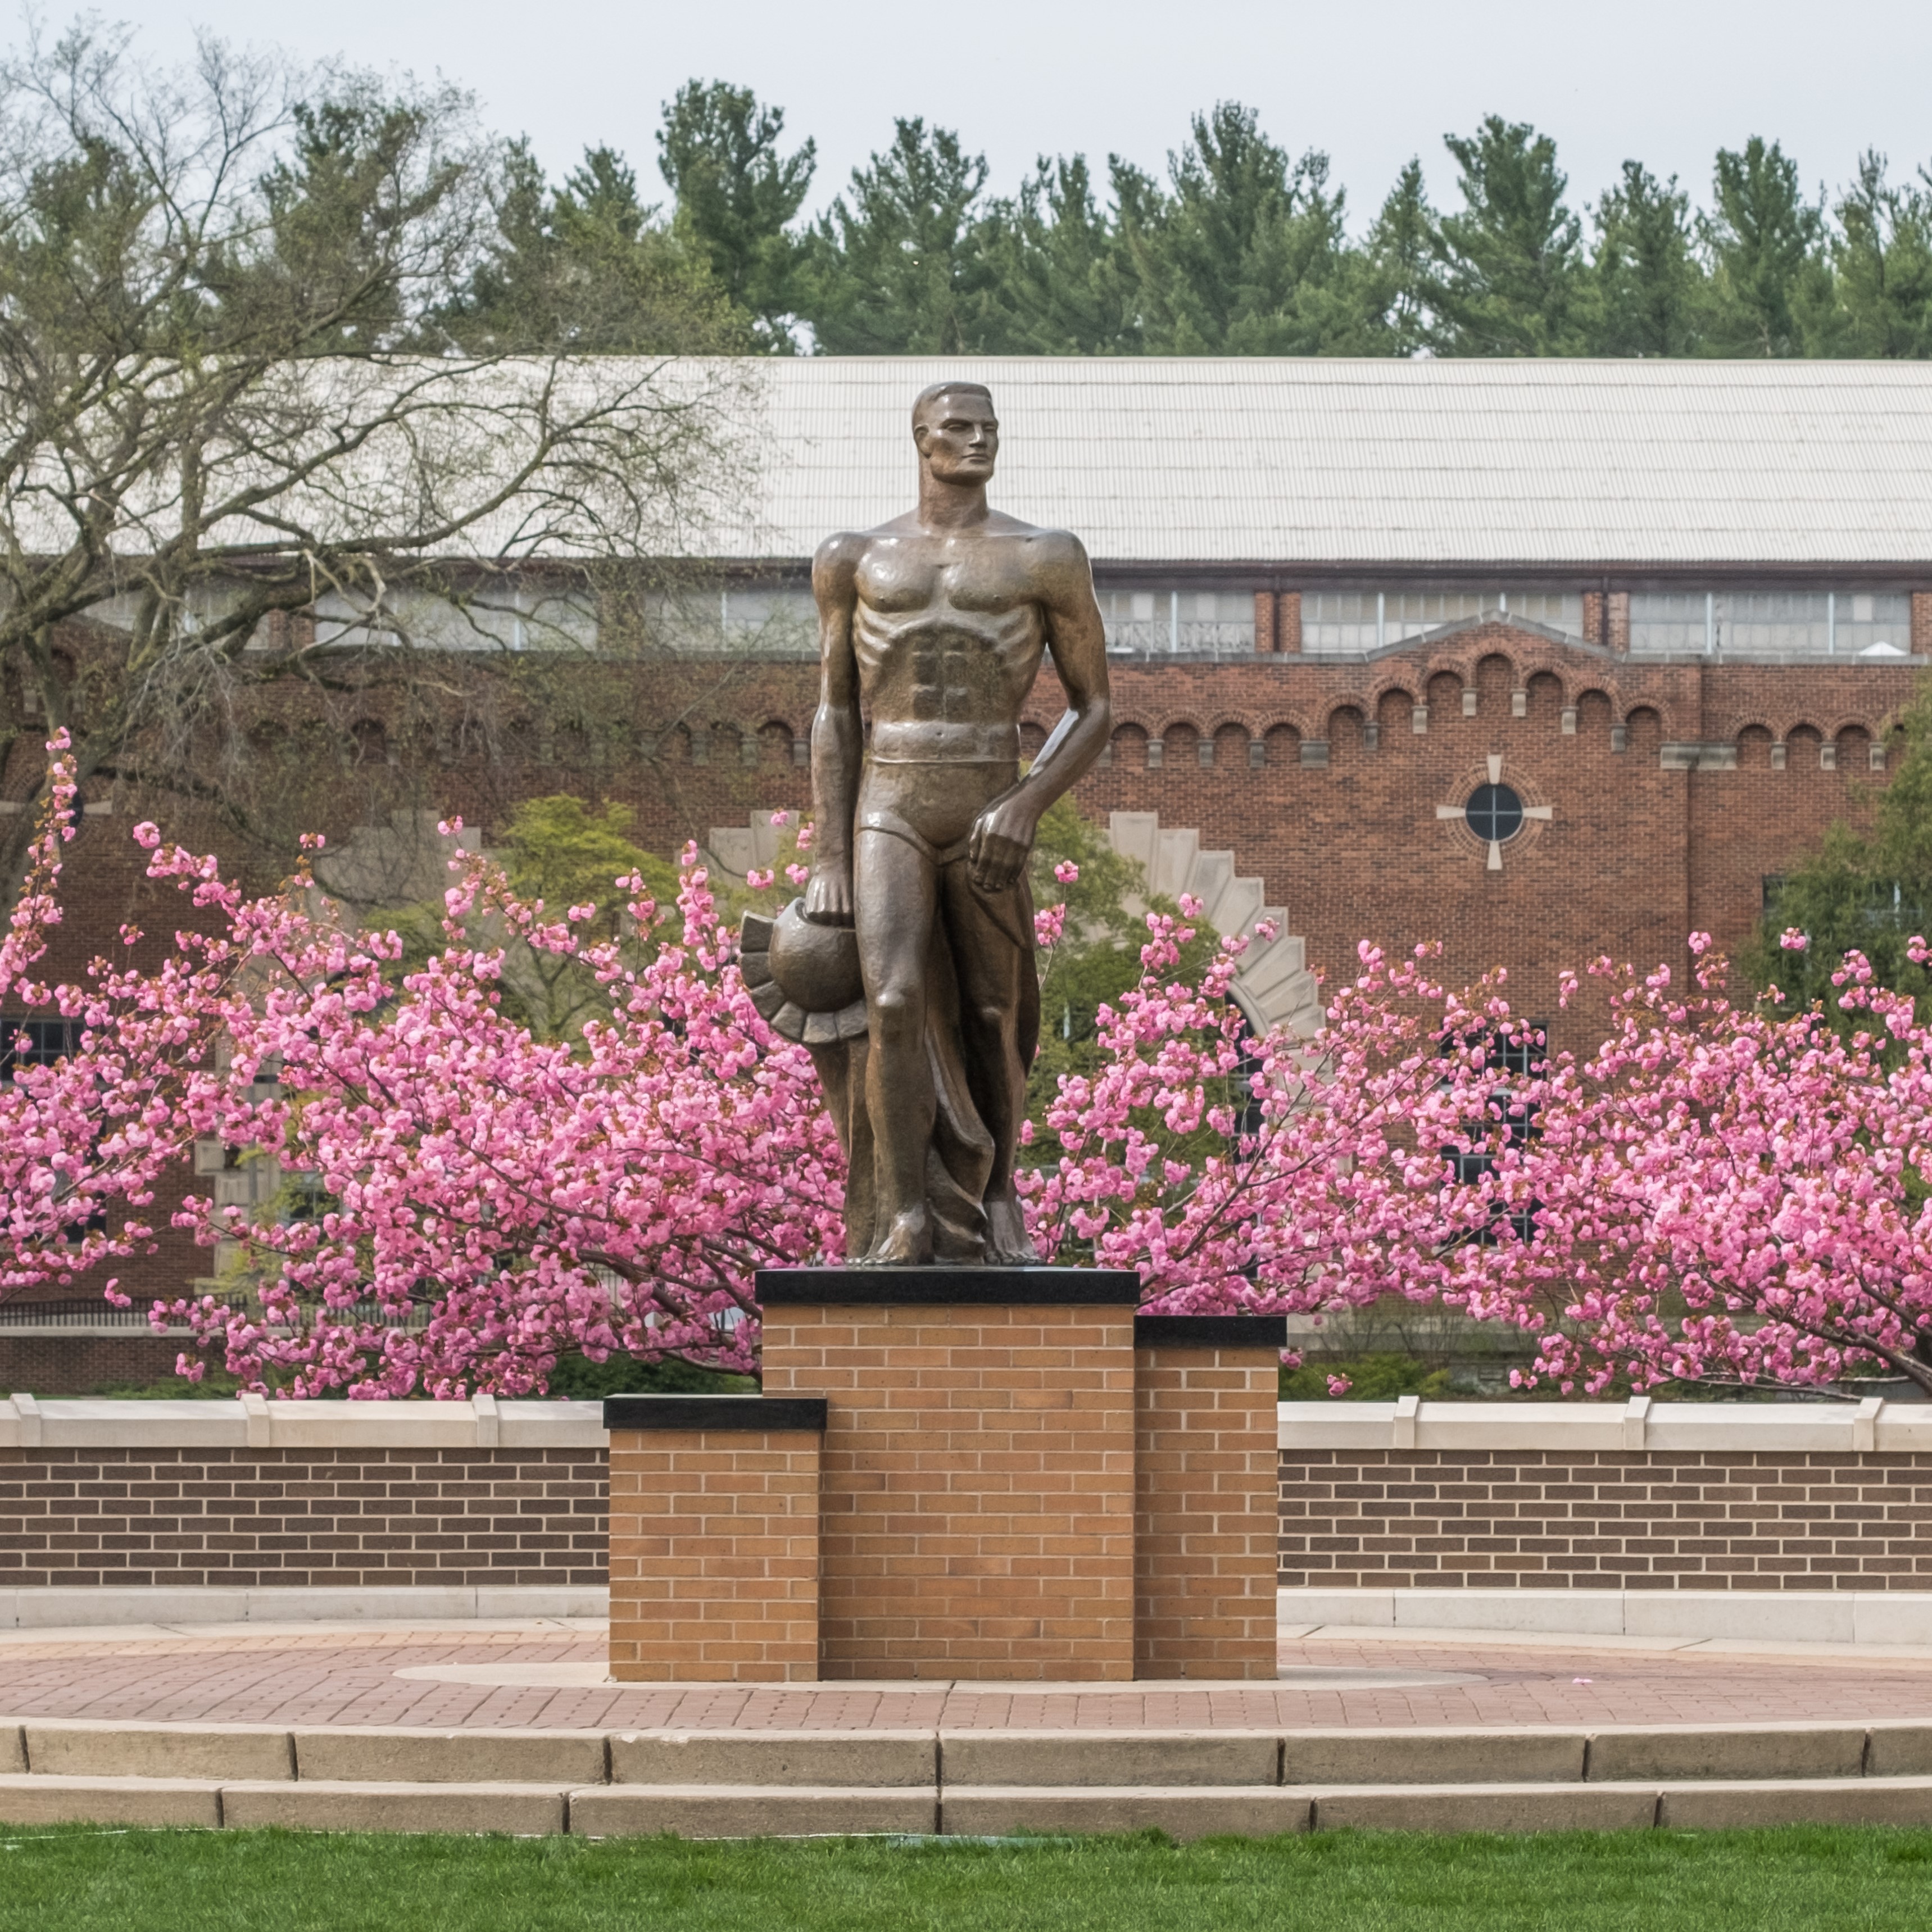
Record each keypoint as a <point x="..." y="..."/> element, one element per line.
<point x="940" y="1287"/>
<point x="714" y="1412"/>
<point x="1210" y="1331"/>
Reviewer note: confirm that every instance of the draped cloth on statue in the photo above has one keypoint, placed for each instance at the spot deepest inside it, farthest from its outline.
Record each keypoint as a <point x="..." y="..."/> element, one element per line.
<point x="805" y="979"/>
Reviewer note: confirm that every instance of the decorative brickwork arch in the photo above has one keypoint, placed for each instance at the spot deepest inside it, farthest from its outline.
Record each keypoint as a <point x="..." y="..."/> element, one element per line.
<point x="1593" y="713"/>
<point x="1282" y="745"/>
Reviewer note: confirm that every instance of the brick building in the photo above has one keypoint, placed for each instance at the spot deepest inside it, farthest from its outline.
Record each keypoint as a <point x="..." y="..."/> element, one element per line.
<point x="1543" y="659"/>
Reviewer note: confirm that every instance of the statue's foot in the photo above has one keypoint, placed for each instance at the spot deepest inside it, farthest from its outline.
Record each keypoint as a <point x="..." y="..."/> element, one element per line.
<point x="1008" y="1243"/>
<point x="906" y="1243"/>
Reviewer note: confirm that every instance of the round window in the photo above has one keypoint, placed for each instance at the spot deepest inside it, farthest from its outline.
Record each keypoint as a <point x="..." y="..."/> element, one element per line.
<point x="1493" y="813"/>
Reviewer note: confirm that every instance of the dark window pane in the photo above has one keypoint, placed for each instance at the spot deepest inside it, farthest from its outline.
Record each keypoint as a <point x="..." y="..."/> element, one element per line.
<point x="1494" y="813"/>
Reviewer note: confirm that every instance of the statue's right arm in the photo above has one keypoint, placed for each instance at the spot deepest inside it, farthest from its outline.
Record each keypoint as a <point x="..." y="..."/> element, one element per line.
<point x="837" y="735"/>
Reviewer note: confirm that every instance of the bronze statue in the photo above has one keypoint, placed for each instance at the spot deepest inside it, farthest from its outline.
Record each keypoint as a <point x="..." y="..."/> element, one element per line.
<point x="933" y="626"/>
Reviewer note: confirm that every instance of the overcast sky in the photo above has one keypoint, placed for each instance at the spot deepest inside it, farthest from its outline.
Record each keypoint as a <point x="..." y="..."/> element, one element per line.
<point x="1372" y="81"/>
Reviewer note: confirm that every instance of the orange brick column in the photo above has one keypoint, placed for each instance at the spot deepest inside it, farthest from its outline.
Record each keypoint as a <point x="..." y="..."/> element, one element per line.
<point x="714" y="1538"/>
<point x="978" y="1469"/>
<point x="1205" y="1515"/>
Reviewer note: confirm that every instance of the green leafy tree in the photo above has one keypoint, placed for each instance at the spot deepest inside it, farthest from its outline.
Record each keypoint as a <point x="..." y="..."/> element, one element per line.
<point x="1866" y="885"/>
<point x="1510" y="266"/>
<point x="737" y="197"/>
<point x="1882" y="257"/>
<point x="1772" y="277"/>
<point x="1244" y="253"/>
<point x="1650" y="294"/>
<point x="1057" y="282"/>
<point x="559" y="851"/>
<point x="894" y="268"/>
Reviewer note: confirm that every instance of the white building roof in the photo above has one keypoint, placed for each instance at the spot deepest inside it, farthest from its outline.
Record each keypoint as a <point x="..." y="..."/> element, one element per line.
<point x="1560" y="464"/>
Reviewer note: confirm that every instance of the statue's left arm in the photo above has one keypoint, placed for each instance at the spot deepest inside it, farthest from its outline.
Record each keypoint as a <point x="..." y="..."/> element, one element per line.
<point x="1003" y="834"/>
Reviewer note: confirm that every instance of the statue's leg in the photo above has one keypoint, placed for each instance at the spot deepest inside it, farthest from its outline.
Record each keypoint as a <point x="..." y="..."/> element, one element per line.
<point x="895" y="887"/>
<point x="998" y="999"/>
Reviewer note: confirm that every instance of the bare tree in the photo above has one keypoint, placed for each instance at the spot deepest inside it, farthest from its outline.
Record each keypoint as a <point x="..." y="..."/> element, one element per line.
<point x="234" y="447"/>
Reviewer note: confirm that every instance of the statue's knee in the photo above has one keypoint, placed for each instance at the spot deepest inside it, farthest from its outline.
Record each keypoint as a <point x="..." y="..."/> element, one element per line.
<point x="898" y="1013"/>
<point x="994" y="1017"/>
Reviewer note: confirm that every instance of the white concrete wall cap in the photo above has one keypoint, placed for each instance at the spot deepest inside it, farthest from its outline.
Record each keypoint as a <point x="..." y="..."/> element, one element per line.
<point x="97" y="1424"/>
<point x="1771" y="1428"/>
<point x="1511" y="1425"/>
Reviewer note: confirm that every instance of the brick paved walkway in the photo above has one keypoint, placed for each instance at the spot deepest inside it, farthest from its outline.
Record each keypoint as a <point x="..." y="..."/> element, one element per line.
<point x="335" y="1676"/>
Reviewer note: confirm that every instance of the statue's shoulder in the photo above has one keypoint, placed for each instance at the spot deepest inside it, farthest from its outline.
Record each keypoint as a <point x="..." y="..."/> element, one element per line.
<point x="1055" y="552"/>
<point x="839" y="555"/>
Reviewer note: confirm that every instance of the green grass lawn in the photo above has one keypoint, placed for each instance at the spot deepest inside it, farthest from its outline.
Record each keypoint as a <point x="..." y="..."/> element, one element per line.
<point x="78" y="1880"/>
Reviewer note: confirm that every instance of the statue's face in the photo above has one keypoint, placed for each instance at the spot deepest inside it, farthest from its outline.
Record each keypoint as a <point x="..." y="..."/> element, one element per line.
<point x="959" y="438"/>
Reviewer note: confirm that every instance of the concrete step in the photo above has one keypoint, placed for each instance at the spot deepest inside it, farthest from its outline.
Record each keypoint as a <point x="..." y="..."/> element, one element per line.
<point x="957" y="1758"/>
<point x="801" y="1810"/>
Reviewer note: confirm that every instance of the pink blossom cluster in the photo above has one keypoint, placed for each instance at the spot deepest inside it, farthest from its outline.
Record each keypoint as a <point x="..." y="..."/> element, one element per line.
<point x="483" y="1199"/>
<point x="84" y="1135"/>
<point x="1724" y="1193"/>
<point x="1273" y="1174"/>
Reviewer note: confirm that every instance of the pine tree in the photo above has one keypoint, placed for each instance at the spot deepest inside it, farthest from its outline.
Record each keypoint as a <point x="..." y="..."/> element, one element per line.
<point x="1510" y="266"/>
<point x="587" y="267"/>
<point x="1244" y="254"/>
<point x="1882" y="257"/>
<point x="1650" y="294"/>
<point x="737" y="196"/>
<point x="1057" y="281"/>
<point x="894" y="268"/>
<point x="1772" y="281"/>
<point x="1395" y="270"/>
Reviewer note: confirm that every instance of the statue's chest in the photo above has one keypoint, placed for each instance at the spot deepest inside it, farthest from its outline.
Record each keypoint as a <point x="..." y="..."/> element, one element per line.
<point x="976" y="584"/>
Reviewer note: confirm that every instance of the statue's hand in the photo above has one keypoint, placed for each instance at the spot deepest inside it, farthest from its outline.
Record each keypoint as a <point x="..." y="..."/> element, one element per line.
<point x="1002" y="840"/>
<point x="828" y="896"/>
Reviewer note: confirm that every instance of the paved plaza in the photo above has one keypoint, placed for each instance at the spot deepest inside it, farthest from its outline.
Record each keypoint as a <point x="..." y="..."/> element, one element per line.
<point x="550" y="1674"/>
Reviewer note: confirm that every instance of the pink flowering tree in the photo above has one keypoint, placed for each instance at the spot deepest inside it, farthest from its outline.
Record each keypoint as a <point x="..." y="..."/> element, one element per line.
<point x="483" y="1199"/>
<point x="1278" y="1174"/>
<point x="93" y="1108"/>
<point x="1724" y="1194"/>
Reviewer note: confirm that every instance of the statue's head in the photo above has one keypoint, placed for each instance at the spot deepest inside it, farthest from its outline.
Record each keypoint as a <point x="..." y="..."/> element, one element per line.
<point x="957" y="432"/>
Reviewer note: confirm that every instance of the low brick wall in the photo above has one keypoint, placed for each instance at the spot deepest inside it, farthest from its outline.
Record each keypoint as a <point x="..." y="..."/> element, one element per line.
<point x="1452" y="1496"/>
<point x="715" y="1568"/>
<point x="1777" y="1498"/>
<point x="246" y="1494"/>
<point x="301" y="1518"/>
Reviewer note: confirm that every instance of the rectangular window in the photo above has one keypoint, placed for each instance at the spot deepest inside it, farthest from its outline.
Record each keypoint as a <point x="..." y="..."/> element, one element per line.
<point x="37" y="1042"/>
<point x="491" y="616"/>
<point x="1768" y="626"/>
<point x="1349" y="623"/>
<point x="27" y="1042"/>
<point x="1189" y="622"/>
<point x="1517" y="1058"/>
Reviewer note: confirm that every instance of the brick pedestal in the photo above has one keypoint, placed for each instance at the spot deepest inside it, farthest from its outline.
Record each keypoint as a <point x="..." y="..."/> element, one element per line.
<point x="1204" y="1513"/>
<point x="985" y="1474"/>
<point x="978" y="1484"/>
<point x="714" y="1538"/>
